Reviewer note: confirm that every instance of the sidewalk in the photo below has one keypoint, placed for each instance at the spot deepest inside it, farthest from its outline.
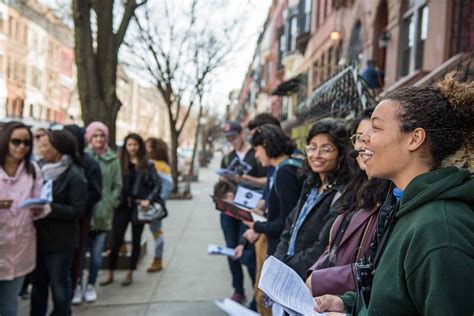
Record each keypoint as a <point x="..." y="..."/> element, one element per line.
<point x="190" y="281"/>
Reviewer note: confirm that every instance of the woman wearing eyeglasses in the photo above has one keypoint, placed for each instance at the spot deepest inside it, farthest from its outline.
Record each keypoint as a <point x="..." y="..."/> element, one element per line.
<point x="58" y="233"/>
<point x="424" y="265"/>
<point x="20" y="179"/>
<point x="306" y="232"/>
<point x="353" y="230"/>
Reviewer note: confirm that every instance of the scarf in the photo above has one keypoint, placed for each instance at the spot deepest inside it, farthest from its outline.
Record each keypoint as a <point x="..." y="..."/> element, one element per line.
<point x="51" y="171"/>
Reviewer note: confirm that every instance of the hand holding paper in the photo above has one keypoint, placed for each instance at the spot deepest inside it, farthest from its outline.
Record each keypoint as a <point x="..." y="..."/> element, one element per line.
<point x="285" y="287"/>
<point x="45" y="197"/>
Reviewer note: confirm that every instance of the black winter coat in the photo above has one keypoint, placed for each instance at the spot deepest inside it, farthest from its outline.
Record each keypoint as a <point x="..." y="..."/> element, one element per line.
<point x="94" y="182"/>
<point x="141" y="186"/>
<point x="283" y="197"/>
<point x="313" y="235"/>
<point x="59" y="231"/>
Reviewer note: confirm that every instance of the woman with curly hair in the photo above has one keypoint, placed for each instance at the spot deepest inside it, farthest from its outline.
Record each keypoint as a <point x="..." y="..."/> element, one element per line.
<point x="306" y="232"/>
<point x="425" y="254"/>
<point x="274" y="148"/>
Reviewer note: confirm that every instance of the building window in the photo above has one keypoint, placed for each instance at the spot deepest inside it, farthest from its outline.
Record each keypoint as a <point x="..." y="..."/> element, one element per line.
<point x="356" y="45"/>
<point x="10" y="26"/>
<point x="414" y="33"/>
<point x="323" y="68"/>
<point x="315" y="75"/>
<point x="293" y="33"/>
<point x="330" y="62"/>
<point x="307" y="16"/>
<point x="316" y="13"/>
<point x="268" y="72"/>
<point x="282" y="43"/>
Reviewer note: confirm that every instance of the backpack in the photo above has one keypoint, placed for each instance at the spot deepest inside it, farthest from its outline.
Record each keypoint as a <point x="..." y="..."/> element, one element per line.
<point x="295" y="162"/>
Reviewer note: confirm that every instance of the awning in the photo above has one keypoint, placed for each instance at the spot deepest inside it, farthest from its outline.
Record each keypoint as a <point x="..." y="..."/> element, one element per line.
<point x="287" y="87"/>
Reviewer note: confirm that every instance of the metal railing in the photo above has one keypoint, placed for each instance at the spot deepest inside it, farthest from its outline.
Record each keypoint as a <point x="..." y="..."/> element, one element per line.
<point x="343" y="96"/>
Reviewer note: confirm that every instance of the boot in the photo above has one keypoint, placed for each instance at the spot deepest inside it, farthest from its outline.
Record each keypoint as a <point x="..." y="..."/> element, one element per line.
<point x="128" y="278"/>
<point x="155" y="266"/>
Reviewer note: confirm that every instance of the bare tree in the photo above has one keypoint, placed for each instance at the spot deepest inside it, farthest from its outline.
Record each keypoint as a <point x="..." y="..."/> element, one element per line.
<point x="96" y="50"/>
<point x="180" y="55"/>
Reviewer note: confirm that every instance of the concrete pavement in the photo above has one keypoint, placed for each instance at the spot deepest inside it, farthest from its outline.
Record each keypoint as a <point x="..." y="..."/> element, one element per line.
<point x="191" y="279"/>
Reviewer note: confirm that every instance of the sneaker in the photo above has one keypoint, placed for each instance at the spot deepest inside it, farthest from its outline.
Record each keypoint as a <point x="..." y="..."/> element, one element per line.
<point x="238" y="297"/>
<point x="77" y="298"/>
<point x="90" y="295"/>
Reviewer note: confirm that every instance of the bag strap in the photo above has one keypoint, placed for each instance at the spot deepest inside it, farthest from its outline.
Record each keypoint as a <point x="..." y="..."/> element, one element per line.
<point x="295" y="162"/>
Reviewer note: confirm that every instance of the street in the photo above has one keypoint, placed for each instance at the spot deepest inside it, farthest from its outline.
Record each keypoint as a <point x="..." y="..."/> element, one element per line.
<point x="191" y="279"/>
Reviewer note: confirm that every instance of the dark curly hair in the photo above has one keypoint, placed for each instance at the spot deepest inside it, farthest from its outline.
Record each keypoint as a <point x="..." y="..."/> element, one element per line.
<point x="274" y="140"/>
<point x="339" y="137"/>
<point x="261" y="119"/>
<point x="362" y="192"/>
<point x="445" y="112"/>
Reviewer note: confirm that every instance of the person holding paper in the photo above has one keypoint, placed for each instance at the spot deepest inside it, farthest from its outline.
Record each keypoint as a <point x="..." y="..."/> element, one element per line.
<point x="273" y="148"/>
<point x="254" y="179"/>
<point x="424" y="261"/>
<point x="58" y="233"/>
<point x="226" y="190"/>
<point x="306" y="232"/>
<point x="20" y="180"/>
<point x="354" y="228"/>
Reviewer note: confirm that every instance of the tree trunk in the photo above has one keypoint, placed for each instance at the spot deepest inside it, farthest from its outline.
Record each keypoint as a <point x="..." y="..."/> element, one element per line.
<point x="196" y="140"/>
<point x="97" y="61"/>
<point x="174" y="158"/>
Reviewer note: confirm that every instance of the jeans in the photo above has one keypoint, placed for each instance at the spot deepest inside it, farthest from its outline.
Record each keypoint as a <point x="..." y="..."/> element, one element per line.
<point x="9" y="290"/>
<point x="52" y="269"/>
<point x="122" y="217"/>
<point x="80" y="252"/>
<point x="95" y="245"/>
<point x="157" y="232"/>
<point x="233" y="230"/>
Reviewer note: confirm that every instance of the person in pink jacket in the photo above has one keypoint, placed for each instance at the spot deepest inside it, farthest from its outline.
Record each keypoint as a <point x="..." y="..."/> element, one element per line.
<point x="20" y="179"/>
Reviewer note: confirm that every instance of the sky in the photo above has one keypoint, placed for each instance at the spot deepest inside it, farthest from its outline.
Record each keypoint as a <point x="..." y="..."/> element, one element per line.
<point x="231" y="76"/>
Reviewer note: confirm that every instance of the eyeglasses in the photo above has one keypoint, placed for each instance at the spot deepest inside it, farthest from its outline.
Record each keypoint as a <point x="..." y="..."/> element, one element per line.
<point x="355" y="138"/>
<point x="98" y="136"/>
<point x="17" y="142"/>
<point x="323" y="150"/>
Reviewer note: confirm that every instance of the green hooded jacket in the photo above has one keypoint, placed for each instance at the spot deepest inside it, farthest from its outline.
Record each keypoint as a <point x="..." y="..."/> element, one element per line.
<point x="427" y="267"/>
<point x="103" y="211"/>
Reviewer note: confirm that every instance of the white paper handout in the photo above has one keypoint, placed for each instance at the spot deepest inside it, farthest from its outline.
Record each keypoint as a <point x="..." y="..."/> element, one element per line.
<point x="247" y="197"/>
<point x="217" y="250"/>
<point x="284" y="286"/>
<point x="233" y="308"/>
<point x="46" y="196"/>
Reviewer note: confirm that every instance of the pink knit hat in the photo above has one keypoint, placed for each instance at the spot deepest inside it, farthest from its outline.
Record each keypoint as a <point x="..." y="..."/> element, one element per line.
<point x="96" y="125"/>
<point x="90" y="131"/>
